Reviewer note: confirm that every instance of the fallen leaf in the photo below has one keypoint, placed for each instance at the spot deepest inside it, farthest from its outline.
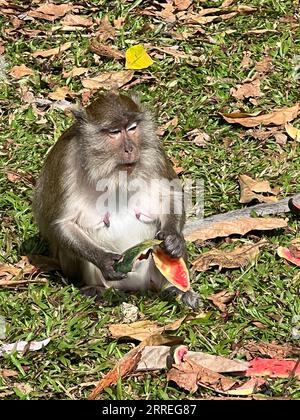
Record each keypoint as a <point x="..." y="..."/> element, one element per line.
<point x="247" y="90"/>
<point x="137" y="58"/>
<point x="50" y="11"/>
<point x="13" y="176"/>
<point x="261" y="31"/>
<point x="119" y="22"/>
<point x="140" y="330"/>
<point x="129" y="312"/>
<point x="199" y="138"/>
<point x="76" y="20"/>
<point x="190" y="375"/>
<point x="273" y="368"/>
<point x="271" y="350"/>
<point x="105" y="50"/>
<point x="280" y="138"/>
<point x="246" y="61"/>
<point x="60" y="93"/>
<point x="126" y="365"/>
<point x="253" y="189"/>
<point x="293" y="132"/>
<point x="76" y="71"/>
<point x="171" y="123"/>
<point x="108" y="80"/>
<point x="239" y="257"/>
<point x="263" y="134"/>
<point x="265" y="65"/>
<point x="167" y="13"/>
<point x="21" y="346"/>
<point x="237" y="226"/>
<point x="277" y="117"/>
<point x="7" y="373"/>
<point x="52" y="51"/>
<point x="105" y="30"/>
<point x="221" y="299"/>
<point x="182" y="4"/>
<point x="226" y="3"/>
<point x="23" y="388"/>
<point x="20" y="71"/>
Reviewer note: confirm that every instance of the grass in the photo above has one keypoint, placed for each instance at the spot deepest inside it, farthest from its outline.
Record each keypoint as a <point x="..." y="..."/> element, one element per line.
<point x="80" y="350"/>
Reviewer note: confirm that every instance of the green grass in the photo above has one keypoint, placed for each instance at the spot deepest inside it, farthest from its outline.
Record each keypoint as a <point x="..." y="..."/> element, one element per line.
<point x="80" y="350"/>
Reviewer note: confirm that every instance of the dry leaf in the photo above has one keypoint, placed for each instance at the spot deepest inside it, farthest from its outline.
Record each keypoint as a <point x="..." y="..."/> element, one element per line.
<point x="226" y="3"/>
<point x="246" y="61"/>
<point x="272" y="350"/>
<point x="60" y="93"/>
<point x="239" y="257"/>
<point x="7" y="373"/>
<point x="52" y="51"/>
<point x="190" y="375"/>
<point x="105" y="31"/>
<point x="280" y="138"/>
<point x="109" y="80"/>
<point x="198" y="137"/>
<point x="261" y="31"/>
<point x="50" y="11"/>
<point x="76" y="71"/>
<point x="75" y="20"/>
<point x="247" y="90"/>
<point x="265" y="65"/>
<point x="105" y="50"/>
<point x="182" y="4"/>
<point x="262" y="134"/>
<point x="252" y="189"/>
<point x="20" y="71"/>
<point x="167" y="13"/>
<point x="13" y="176"/>
<point x="277" y="117"/>
<point x="21" y="346"/>
<point x="235" y="227"/>
<point x="140" y="330"/>
<point x="119" y="22"/>
<point x="221" y="299"/>
<point x="127" y="364"/>
<point x="171" y="123"/>
<point x="293" y="132"/>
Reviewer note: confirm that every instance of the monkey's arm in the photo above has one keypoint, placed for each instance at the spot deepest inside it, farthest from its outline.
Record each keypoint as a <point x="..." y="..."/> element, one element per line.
<point x="70" y="236"/>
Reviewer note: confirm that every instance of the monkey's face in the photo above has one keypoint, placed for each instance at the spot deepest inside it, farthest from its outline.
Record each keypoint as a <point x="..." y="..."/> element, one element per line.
<point x="123" y="141"/>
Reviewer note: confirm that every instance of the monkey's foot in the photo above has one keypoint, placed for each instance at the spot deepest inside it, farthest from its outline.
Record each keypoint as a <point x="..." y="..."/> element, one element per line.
<point x="189" y="298"/>
<point x="92" y="291"/>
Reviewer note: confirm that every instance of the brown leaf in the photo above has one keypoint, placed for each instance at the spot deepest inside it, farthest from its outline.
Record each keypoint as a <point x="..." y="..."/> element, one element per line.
<point x="247" y="90"/>
<point x="252" y="189"/>
<point x="226" y="3"/>
<point x="52" y="51"/>
<point x="272" y="350"/>
<point x="190" y="375"/>
<point x="171" y="123"/>
<point x="265" y="65"/>
<point x="167" y="13"/>
<point x="199" y="138"/>
<point x="182" y="4"/>
<point x="119" y="22"/>
<point x="277" y="117"/>
<point x="126" y="365"/>
<point x="246" y="61"/>
<point x="280" y="138"/>
<point x="76" y="20"/>
<point x="7" y="373"/>
<point x="50" y="11"/>
<point x="105" y="50"/>
<point x="20" y="71"/>
<point x="108" y="80"/>
<point x="261" y="31"/>
<point x="239" y="257"/>
<point x="13" y="176"/>
<point x="76" y="71"/>
<point x="106" y="30"/>
<point x="60" y="93"/>
<point x="236" y="227"/>
<point x="263" y="134"/>
<point x="140" y="330"/>
<point x="221" y="299"/>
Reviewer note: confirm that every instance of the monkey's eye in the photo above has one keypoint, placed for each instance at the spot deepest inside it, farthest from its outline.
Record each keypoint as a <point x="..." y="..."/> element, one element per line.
<point x="132" y="127"/>
<point x="115" y="131"/>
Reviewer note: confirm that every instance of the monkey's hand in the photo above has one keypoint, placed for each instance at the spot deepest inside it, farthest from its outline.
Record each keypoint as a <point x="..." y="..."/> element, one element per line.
<point x="173" y="243"/>
<point x="106" y="265"/>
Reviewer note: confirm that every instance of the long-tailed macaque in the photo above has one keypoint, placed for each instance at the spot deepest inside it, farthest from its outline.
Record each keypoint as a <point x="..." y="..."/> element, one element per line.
<point x="107" y="185"/>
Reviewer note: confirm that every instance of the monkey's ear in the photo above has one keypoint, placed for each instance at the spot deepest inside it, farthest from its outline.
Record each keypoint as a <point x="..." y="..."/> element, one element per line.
<point x="136" y="99"/>
<point x="79" y="113"/>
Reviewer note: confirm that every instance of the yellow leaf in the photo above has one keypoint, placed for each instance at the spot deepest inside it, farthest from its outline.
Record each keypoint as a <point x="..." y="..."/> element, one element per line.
<point x="293" y="132"/>
<point x="137" y="58"/>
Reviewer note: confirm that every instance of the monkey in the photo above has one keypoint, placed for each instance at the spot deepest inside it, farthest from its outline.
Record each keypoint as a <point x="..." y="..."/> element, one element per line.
<point x="98" y="195"/>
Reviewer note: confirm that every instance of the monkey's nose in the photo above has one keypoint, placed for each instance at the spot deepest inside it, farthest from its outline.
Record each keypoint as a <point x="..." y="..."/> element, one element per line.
<point x="128" y="146"/>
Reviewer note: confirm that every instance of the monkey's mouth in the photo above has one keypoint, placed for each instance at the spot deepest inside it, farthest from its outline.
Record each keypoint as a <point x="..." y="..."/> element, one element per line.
<point x="129" y="167"/>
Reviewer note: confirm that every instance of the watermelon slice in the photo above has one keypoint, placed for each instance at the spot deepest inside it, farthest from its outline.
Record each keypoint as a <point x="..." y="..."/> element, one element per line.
<point x="294" y="207"/>
<point x="274" y="368"/>
<point x="173" y="269"/>
<point x="135" y="253"/>
<point x="287" y="254"/>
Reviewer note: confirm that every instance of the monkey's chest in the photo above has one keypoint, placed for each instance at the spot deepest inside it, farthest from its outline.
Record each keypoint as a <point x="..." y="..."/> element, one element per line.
<point x="118" y="231"/>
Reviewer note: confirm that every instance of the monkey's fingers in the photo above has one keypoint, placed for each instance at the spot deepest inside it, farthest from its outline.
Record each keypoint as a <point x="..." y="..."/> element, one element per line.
<point x="112" y="275"/>
<point x="174" y="246"/>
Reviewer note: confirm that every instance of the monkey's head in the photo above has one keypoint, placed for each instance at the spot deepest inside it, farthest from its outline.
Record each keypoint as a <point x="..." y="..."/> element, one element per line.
<point x="115" y="132"/>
